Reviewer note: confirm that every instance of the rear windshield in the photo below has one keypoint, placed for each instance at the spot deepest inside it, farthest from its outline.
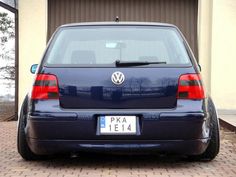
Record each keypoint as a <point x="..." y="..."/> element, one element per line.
<point x="104" y="45"/>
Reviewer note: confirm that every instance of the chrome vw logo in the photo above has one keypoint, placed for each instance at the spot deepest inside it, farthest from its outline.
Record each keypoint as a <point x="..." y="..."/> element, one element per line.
<point x="117" y="77"/>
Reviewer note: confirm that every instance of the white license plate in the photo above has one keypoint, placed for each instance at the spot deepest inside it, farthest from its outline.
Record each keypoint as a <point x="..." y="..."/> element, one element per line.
<point x="118" y="125"/>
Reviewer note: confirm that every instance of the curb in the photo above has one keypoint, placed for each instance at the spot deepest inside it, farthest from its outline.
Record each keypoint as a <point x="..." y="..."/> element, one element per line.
<point x="227" y="125"/>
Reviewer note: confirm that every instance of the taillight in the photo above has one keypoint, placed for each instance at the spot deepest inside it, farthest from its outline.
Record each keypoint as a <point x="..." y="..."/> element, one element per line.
<point x="190" y="87"/>
<point x="45" y="87"/>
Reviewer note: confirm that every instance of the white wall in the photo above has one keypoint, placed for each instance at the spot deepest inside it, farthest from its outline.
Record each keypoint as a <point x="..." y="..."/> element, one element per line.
<point x="223" y="53"/>
<point x="204" y="40"/>
<point x="32" y="40"/>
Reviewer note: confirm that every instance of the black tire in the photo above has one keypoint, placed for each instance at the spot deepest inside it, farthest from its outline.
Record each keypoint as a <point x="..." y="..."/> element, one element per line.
<point x="22" y="145"/>
<point x="214" y="144"/>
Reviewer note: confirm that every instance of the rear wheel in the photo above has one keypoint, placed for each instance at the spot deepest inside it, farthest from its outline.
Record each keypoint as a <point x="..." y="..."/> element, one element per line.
<point x="22" y="144"/>
<point x="214" y="144"/>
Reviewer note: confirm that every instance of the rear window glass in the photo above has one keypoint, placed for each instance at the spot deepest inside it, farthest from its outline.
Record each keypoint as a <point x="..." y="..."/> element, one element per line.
<point x="104" y="45"/>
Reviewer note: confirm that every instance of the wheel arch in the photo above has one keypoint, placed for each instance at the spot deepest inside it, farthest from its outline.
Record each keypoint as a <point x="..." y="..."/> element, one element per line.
<point x="23" y="109"/>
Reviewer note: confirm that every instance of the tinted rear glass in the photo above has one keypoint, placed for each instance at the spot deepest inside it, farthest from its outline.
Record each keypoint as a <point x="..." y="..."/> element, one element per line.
<point x="103" y="45"/>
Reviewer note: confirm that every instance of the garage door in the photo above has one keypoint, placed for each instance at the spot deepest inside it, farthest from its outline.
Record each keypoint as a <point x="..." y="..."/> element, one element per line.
<point x="182" y="13"/>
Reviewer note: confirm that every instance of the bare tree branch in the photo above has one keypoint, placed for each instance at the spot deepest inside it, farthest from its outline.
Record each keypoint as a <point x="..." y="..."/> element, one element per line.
<point x="7" y="32"/>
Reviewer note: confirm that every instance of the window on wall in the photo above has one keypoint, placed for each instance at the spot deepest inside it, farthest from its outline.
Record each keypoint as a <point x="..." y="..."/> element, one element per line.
<point x="7" y="65"/>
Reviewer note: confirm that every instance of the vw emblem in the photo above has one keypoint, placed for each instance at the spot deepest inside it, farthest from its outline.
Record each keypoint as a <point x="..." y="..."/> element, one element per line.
<point x="118" y="78"/>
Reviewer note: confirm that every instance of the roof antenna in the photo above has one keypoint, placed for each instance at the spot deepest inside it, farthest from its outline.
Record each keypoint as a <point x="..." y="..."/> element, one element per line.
<point x="117" y="19"/>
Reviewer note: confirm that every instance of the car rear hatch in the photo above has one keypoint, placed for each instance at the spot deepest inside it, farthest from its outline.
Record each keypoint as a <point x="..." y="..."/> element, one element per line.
<point x="150" y="58"/>
<point x="142" y="88"/>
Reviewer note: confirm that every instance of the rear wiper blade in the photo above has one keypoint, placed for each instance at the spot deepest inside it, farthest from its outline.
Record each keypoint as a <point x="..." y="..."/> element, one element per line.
<point x="136" y="63"/>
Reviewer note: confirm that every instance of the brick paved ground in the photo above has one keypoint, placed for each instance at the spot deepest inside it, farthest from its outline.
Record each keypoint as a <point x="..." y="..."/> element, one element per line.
<point x="11" y="163"/>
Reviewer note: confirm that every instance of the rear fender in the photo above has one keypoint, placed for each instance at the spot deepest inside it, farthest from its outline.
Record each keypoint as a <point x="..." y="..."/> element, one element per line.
<point x="23" y="109"/>
<point x="212" y="111"/>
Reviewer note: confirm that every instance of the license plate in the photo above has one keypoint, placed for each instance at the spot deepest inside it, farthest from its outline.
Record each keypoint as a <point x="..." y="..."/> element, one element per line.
<point x="118" y="125"/>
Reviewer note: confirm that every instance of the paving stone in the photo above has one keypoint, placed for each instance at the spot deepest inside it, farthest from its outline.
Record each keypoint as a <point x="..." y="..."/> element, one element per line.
<point x="11" y="164"/>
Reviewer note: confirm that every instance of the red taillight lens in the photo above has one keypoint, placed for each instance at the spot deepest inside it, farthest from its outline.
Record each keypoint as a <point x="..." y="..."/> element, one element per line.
<point x="190" y="87"/>
<point x="45" y="87"/>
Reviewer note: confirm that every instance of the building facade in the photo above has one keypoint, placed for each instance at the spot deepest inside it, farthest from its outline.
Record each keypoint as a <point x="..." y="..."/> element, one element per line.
<point x="208" y="25"/>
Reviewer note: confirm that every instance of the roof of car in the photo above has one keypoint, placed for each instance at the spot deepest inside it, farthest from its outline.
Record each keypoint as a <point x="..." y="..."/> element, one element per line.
<point x="118" y="23"/>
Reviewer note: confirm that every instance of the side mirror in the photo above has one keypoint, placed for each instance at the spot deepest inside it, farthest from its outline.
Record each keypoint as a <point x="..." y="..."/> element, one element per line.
<point x="33" y="68"/>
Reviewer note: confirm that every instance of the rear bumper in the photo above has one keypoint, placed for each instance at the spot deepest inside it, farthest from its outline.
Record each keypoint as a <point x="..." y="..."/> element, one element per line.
<point x="185" y="147"/>
<point x="159" y="131"/>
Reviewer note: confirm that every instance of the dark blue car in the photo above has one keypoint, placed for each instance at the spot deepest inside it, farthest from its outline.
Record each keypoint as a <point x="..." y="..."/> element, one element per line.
<point x="118" y="87"/>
